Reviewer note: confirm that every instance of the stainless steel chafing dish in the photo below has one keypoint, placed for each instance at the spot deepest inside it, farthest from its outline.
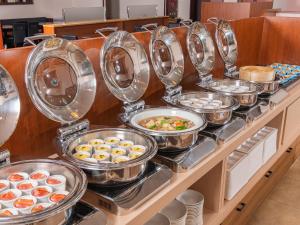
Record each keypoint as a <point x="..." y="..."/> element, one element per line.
<point x="113" y="173"/>
<point x="59" y="213"/>
<point x="228" y="49"/>
<point x="201" y="51"/>
<point x="126" y="71"/>
<point x="62" y="84"/>
<point x="75" y="178"/>
<point x="227" y="46"/>
<point x="246" y="98"/>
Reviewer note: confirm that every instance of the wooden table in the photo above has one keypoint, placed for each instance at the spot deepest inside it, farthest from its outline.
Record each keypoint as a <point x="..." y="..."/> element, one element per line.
<point x="86" y="29"/>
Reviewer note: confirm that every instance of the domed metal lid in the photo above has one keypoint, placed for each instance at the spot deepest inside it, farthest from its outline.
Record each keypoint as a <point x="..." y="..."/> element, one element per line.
<point x="60" y="80"/>
<point x="201" y="48"/>
<point x="9" y="105"/>
<point x="226" y="41"/>
<point x="167" y="56"/>
<point x="125" y="66"/>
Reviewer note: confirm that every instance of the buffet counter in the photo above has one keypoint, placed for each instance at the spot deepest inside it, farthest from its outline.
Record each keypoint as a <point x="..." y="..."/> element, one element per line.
<point x="35" y="135"/>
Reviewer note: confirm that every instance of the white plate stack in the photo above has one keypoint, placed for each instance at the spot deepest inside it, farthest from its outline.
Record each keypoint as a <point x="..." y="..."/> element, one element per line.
<point x="158" y="219"/>
<point x="194" y="202"/>
<point x="176" y="213"/>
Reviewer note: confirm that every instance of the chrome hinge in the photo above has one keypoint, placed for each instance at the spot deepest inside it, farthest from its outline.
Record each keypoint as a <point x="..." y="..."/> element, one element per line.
<point x="65" y="133"/>
<point x="231" y="71"/>
<point x="131" y="108"/>
<point x="205" y="79"/>
<point x="4" y="158"/>
<point x="172" y="94"/>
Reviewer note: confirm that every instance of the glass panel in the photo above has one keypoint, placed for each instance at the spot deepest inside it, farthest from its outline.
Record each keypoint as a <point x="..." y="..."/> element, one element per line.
<point x="119" y="67"/>
<point x="196" y="47"/>
<point x="224" y="43"/>
<point x="162" y="57"/>
<point x="56" y="82"/>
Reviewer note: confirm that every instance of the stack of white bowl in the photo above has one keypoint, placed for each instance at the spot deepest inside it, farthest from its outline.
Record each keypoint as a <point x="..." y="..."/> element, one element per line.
<point x="193" y="202"/>
<point x="158" y="219"/>
<point x="176" y="213"/>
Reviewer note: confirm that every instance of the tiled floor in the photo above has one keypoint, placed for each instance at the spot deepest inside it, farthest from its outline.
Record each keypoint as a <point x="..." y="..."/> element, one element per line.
<point x="282" y="207"/>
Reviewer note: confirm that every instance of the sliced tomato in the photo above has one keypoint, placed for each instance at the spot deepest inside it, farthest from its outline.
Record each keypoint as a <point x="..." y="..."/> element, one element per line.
<point x="38" y="208"/>
<point x="2" y="185"/>
<point x="38" y="176"/>
<point x="7" y="196"/>
<point x="57" y="197"/>
<point x="25" y="186"/>
<point x="40" y="192"/>
<point x="23" y="203"/>
<point x="15" y="177"/>
<point x="6" y="213"/>
<point x="53" y="181"/>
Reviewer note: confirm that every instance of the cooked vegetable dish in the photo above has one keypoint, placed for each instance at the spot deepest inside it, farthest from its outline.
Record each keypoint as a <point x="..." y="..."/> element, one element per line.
<point x="166" y="123"/>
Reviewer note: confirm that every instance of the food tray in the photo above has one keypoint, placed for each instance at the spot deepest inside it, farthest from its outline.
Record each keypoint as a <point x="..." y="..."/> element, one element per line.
<point x="287" y="73"/>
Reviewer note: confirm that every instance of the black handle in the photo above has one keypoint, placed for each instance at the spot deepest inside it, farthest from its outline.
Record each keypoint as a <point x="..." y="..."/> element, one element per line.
<point x="289" y="150"/>
<point x="269" y="174"/>
<point x="241" y="207"/>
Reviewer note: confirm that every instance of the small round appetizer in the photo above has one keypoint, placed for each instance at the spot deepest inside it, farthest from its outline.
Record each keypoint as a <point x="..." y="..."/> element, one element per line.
<point x="135" y="155"/>
<point x="114" y="141"/>
<point x="27" y="186"/>
<point x="96" y="142"/>
<point x="120" y="159"/>
<point x="102" y="148"/>
<point x="40" y="207"/>
<point x="138" y="148"/>
<point x="4" y="185"/>
<point x="57" y="182"/>
<point x="84" y="148"/>
<point x="91" y="160"/>
<point x="25" y="203"/>
<point x="7" y="197"/>
<point x="42" y="193"/>
<point x="102" y="156"/>
<point x="82" y="155"/>
<point x="126" y="144"/>
<point x="17" y="178"/>
<point x="58" y="196"/>
<point x="8" y="212"/>
<point x="118" y="152"/>
<point x="40" y="176"/>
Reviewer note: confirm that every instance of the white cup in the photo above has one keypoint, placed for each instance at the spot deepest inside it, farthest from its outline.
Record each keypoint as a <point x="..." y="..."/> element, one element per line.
<point x="25" y="210"/>
<point x="27" y="191"/>
<point x="41" y="180"/>
<point x="9" y="203"/>
<point x="176" y="212"/>
<point x="44" y="198"/>
<point x="65" y="193"/>
<point x="57" y="186"/>
<point x="4" y="185"/>
<point x="13" y="182"/>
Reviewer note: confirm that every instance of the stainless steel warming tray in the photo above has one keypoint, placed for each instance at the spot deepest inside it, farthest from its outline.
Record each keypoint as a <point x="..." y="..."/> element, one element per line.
<point x="123" y="58"/>
<point x="62" y="84"/>
<point x="75" y="178"/>
<point x="201" y="51"/>
<point x="113" y="173"/>
<point x="58" y="213"/>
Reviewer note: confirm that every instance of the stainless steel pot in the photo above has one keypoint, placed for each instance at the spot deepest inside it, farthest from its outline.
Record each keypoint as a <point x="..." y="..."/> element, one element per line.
<point x="112" y="173"/>
<point x="268" y="87"/>
<point x="170" y="140"/>
<point x="59" y="213"/>
<point x="219" y="116"/>
<point x="245" y="98"/>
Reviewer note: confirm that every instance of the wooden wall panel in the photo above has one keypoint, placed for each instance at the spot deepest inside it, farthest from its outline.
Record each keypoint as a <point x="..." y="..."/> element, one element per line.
<point x="34" y="129"/>
<point x="280" y="42"/>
